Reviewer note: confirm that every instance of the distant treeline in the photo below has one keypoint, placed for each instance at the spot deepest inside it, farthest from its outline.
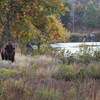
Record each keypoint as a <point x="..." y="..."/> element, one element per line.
<point x="84" y="14"/>
<point x="84" y="37"/>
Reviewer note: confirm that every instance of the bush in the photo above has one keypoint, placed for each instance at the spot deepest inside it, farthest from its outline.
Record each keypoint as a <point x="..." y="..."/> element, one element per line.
<point x="61" y="56"/>
<point x="95" y="72"/>
<point x="45" y="94"/>
<point x="66" y="57"/>
<point x="44" y="49"/>
<point x="97" y="55"/>
<point x="86" y="55"/>
<point x="5" y="73"/>
<point x="83" y="73"/>
<point x="65" y="72"/>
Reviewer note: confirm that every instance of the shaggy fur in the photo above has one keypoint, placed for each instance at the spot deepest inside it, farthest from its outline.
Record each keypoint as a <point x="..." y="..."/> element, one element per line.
<point x="8" y="52"/>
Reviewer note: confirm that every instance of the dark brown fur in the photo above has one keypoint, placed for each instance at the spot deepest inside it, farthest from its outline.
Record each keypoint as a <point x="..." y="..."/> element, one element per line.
<point x="8" y="52"/>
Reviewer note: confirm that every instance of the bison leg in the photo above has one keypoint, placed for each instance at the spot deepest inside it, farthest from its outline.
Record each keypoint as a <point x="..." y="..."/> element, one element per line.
<point x="2" y="56"/>
<point x="6" y="57"/>
<point x="12" y="59"/>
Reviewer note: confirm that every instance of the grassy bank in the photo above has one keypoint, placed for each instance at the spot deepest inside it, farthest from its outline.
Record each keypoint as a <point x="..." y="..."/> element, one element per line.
<point x="47" y="78"/>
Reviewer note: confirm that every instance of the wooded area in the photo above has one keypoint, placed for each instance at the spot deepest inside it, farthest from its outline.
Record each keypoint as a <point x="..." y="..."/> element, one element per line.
<point x="33" y="20"/>
<point x="84" y="14"/>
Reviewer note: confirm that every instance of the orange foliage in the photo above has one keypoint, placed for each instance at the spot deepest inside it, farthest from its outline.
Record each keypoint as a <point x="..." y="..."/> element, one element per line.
<point x="36" y="14"/>
<point x="17" y="15"/>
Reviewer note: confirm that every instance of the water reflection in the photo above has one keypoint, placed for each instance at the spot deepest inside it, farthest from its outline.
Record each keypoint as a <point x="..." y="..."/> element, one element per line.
<point x="75" y="47"/>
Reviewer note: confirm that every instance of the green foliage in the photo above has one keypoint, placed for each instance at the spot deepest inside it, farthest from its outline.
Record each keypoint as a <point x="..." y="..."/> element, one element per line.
<point x="90" y="20"/>
<point x="61" y="55"/>
<point x="86" y="15"/>
<point x="65" y="72"/>
<point x="22" y="70"/>
<point x="87" y="54"/>
<point x="66" y="57"/>
<point x="74" y="38"/>
<point x="66" y="20"/>
<point x="83" y="73"/>
<point x="44" y="49"/>
<point x="7" y="72"/>
<point x="84" y="55"/>
<point x="97" y="55"/>
<point x="45" y="94"/>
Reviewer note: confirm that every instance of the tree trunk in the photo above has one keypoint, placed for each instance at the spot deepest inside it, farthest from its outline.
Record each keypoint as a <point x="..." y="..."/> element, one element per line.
<point x="38" y="44"/>
<point x="6" y="34"/>
<point x="38" y="47"/>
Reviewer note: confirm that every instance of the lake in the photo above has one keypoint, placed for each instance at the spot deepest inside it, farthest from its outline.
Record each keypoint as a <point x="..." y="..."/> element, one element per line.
<point x="75" y="47"/>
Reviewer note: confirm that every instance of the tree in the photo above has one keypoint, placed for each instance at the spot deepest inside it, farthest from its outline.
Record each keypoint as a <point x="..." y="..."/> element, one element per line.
<point x="66" y="19"/>
<point x="87" y="14"/>
<point x="26" y="19"/>
<point x="79" y="14"/>
<point x="92" y="16"/>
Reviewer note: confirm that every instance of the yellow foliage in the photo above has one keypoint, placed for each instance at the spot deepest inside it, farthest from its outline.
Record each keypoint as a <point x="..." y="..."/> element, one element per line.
<point x="33" y="29"/>
<point x="11" y="11"/>
<point x="22" y="70"/>
<point x="43" y="38"/>
<point x="46" y="27"/>
<point x="37" y="14"/>
<point x="8" y="72"/>
<point x="27" y="91"/>
<point x="62" y="5"/>
<point x="54" y="31"/>
<point x="41" y="8"/>
<point x="33" y="17"/>
<point x="57" y="30"/>
<point x="63" y="8"/>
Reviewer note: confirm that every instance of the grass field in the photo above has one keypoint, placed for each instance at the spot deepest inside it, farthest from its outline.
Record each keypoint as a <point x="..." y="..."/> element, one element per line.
<point x="44" y="77"/>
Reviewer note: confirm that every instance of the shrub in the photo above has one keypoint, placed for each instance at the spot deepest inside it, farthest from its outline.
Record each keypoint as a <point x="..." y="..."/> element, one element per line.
<point x="66" y="57"/>
<point x="4" y="72"/>
<point x="45" y="94"/>
<point x="60" y="54"/>
<point x="84" y="54"/>
<point x="95" y="71"/>
<point x="65" y="72"/>
<point x="44" y="49"/>
<point x="83" y="73"/>
<point x="97" y="55"/>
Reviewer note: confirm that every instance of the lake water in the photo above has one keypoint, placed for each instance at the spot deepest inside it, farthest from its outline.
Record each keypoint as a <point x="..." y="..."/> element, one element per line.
<point x="75" y="47"/>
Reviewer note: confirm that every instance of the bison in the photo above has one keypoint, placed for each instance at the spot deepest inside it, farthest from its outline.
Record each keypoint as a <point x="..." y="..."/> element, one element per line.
<point x="8" y="52"/>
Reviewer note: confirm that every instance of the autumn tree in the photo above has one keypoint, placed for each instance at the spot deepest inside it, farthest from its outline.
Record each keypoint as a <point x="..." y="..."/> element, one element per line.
<point x="32" y="19"/>
<point x="87" y="14"/>
<point x="66" y="19"/>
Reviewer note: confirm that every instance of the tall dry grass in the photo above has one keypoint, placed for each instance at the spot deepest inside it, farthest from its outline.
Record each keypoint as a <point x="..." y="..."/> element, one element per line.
<point x="33" y="78"/>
